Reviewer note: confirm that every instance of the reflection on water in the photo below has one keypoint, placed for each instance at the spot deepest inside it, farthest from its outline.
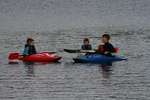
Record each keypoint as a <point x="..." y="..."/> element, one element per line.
<point x="106" y="70"/>
<point x="29" y="68"/>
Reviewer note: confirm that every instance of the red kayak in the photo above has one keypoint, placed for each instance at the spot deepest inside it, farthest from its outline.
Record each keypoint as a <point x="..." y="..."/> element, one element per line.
<point x="43" y="57"/>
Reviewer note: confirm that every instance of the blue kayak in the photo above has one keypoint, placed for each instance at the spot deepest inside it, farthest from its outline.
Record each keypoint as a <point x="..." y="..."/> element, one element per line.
<point x="98" y="59"/>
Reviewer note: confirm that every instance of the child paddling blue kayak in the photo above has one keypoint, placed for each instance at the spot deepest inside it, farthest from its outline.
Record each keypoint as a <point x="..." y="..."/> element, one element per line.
<point x="102" y="55"/>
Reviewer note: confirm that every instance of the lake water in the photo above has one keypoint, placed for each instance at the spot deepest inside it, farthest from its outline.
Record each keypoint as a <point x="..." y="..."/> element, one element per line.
<point x="127" y="80"/>
<point x="57" y="24"/>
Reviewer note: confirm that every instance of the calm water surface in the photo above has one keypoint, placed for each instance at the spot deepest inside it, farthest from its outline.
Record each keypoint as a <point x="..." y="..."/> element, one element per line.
<point x="67" y="81"/>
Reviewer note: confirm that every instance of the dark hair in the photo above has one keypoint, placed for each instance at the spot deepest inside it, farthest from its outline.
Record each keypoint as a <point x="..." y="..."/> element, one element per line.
<point x="29" y="39"/>
<point x="86" y="40"/>
<point x="106" y="36"/>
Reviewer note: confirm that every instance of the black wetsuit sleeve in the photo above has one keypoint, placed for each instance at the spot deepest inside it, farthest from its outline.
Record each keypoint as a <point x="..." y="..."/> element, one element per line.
<point x="90" y="47"/>
<point x="82" y="47"/>
<point x="34" y="50"/>
<point x="110" y="48"/>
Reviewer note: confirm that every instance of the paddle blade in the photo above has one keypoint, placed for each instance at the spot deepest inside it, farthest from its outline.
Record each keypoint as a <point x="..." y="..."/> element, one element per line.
<point x="72" y="51"/>
<point x="13" y="56"/>
<point x="48" y="52"/>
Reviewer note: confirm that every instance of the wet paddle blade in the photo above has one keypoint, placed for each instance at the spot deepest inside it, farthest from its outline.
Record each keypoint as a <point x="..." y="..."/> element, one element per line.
<point x="13" y="56"/>
<point x="72" y="51"/>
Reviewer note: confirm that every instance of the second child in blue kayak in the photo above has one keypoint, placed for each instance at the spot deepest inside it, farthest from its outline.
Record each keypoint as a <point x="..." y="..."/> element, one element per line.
<point x="106" y="47"/>
<point x="86" y="44"/>
<point x="29" y="48"/>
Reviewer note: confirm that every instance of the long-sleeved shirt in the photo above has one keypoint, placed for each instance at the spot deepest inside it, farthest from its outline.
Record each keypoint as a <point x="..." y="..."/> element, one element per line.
<point x="29" y="50"/>
<point x="86" y="47"/>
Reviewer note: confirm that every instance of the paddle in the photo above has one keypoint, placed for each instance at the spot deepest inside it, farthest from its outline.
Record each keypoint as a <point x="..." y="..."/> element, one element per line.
<point x="13" y="58"/>
<point x="72" y="50"/>
<point x="78" y="51"/>
<point x="85" y="51"/>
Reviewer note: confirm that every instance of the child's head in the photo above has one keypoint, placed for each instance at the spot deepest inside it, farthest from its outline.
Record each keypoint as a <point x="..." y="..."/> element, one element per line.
<point x="105" y="38"/>
<point x="86" y="41"/>
<point x="30" y="41"/>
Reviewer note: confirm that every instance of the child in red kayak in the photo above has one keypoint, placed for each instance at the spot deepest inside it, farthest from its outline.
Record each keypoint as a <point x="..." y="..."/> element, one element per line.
<point x="106" y="47"/>
<point x="29" y="48"/>
<point x="86" y="44"/>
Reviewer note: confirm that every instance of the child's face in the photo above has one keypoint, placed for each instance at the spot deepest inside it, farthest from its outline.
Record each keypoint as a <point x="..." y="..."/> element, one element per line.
<point x="105" y="40"/>
<point x="31" y="43"/>
<point x="86" y="42"/>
